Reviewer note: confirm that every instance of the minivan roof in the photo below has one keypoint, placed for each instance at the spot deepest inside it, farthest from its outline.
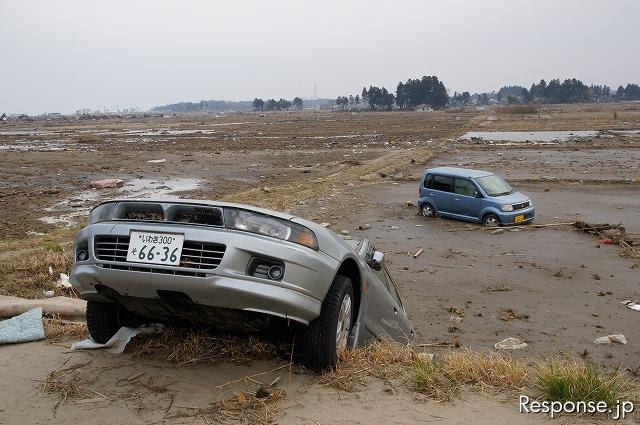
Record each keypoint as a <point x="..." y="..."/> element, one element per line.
<point x="460" y="172"/>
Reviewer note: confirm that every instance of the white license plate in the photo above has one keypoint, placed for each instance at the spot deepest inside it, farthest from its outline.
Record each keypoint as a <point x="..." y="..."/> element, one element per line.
<point x="155" y="248"/>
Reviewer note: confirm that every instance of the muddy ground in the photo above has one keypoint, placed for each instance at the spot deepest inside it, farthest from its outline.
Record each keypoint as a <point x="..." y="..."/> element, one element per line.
<point x="563" y="287"/>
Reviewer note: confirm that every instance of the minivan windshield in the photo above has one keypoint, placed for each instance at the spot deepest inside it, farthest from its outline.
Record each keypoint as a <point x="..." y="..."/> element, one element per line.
<point x="494" y="185"/>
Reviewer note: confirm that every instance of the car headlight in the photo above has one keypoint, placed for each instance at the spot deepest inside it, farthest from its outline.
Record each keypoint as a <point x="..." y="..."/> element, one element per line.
<point x="103" y="212"/>
<point x="507" y="207"/>
<point x="262" y="224"/>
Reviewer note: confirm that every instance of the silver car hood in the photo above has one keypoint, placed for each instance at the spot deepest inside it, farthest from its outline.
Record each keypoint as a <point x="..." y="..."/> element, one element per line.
<point x="329" y="242"/>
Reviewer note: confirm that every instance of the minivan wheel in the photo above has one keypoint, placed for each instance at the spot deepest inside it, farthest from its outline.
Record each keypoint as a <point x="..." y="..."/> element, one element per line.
<point x="491" y="220"/>
<point x="326" y="336"/>
<point x="427" y="211"/>
<point x="102" y="320"/>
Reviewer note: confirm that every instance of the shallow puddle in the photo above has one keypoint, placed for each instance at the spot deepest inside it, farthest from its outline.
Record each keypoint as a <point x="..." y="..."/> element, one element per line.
<point x="527" y="136"/>
<point x="75" y="209"/>
<point x="147" y="188"/>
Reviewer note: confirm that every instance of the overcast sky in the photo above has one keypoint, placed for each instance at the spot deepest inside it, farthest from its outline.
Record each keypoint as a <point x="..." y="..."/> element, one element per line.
<point x="59" y="56"/>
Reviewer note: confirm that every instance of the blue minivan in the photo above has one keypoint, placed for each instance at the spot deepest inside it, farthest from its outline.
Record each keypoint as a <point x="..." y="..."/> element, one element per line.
<point x="472" y="195"/>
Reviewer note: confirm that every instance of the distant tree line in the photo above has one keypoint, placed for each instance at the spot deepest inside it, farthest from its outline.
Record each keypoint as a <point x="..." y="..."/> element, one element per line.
<point x="570" y="90"/>
<point x="276" y="105"/>
<point x="427" y="91"/>
<point x="205" y="106"/>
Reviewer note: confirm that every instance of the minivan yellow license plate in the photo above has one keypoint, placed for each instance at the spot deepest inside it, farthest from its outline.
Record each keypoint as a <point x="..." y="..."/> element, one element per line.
<point x="519" y="218"/>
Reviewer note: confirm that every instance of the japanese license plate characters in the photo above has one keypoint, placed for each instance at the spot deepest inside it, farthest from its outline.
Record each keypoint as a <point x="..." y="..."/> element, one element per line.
<point x="155" y="248"/>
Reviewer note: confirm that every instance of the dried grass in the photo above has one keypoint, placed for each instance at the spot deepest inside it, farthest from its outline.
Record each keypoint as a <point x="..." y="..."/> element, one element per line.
<point x="28" y="276"/>
<point x="187" y="346"/>
<point x="244" y="408"/>
<point x="89" y="138"/>
<point x="442" y="379"/>
<point x="58" y="330"/>
<point x="384" y="360"/>
<point x="66" y="384"/>
<point x="628" y="251"/>
<point x="517" y="109"/>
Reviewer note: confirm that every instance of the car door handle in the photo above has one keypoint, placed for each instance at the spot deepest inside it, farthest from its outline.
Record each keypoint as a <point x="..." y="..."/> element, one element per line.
<point x="457" y="199"/>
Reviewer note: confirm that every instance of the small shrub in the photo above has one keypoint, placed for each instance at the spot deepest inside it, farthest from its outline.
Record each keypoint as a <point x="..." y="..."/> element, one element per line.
<point x="562" y="380"/>
<point x="89" y="138"/>
<point x="517" y="109"/>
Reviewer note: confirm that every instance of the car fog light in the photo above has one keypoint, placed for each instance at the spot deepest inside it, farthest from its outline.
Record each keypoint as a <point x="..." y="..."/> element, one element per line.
<point x="82" y="255"/>
<point x="275" y="272"/>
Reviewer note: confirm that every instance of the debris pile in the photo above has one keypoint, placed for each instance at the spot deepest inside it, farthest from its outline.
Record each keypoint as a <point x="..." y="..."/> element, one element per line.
<point x="613" y="234"/>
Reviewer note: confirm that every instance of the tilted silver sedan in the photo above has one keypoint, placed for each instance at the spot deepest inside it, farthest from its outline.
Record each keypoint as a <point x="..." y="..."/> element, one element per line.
<point x="233" y="266"/>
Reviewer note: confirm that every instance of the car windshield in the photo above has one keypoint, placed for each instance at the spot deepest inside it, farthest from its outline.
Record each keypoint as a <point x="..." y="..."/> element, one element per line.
<point x="494" y="185"/>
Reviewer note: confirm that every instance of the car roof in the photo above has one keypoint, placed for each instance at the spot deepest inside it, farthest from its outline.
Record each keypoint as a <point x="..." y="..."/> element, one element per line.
<point x="460" y="172"/>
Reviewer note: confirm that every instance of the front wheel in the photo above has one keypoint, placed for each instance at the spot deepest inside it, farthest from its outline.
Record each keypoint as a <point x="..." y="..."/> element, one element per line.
<point x="102" y="320"/>
<point x="427" y="210"/>
<point x="328" y="334"/>
<point x="491" y="220"/>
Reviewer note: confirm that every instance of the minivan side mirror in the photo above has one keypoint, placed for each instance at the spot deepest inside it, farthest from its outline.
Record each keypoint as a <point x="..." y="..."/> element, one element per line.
<point x="376" y="260"/>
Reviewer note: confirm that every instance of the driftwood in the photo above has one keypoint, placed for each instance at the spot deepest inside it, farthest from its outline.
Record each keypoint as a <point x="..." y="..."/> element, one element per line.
<point x="65" y="307"/>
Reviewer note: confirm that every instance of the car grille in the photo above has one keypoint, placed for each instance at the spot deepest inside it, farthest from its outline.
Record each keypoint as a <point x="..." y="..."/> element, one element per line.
<point x="195" y="255"/>
<point x="111" y="248"/>
<point x="521" y="206"/>
<point x="199" y="255"/>
<point x="152" y="270"/>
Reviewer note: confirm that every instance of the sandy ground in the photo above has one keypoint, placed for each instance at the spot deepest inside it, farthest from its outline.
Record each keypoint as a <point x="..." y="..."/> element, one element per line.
<point x="348" y="170"/>
<point x="165" y="394"/>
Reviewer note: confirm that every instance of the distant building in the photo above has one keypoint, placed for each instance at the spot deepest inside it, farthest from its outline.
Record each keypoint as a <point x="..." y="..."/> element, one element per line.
<point x="423" y="108"/>
<point x="4" y="117"/>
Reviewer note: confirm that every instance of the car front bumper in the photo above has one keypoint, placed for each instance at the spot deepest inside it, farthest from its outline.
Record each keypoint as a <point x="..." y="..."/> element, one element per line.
<point x="298" y="296"/>
<point x="509" y="218"/>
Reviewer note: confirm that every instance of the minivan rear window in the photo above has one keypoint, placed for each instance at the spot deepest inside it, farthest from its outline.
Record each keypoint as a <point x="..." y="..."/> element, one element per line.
<point x="443" y="183"/>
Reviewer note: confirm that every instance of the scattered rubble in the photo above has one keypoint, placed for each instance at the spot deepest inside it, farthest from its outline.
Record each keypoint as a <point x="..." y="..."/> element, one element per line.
<point x="604" y="340"/>
<point x="107" y="183"/>
<point x="510" y="344"/>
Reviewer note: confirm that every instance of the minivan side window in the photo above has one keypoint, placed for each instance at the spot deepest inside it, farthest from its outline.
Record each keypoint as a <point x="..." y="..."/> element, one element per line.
<point x="464" y="187"/>
<point x="427" y="181"/>
<point x="443" y="183"/>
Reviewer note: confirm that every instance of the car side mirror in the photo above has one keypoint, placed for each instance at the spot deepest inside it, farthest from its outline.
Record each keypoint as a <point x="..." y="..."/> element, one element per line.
<point x="476" y="194"/>
<point x="376" y="260"/>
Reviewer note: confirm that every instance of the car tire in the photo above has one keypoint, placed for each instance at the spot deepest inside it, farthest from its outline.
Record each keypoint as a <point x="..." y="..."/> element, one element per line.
<point x="427" y="210"/>
<point x="321" y="342"/>
<point x="102" y="320"/>
<point x="491" y="220"/>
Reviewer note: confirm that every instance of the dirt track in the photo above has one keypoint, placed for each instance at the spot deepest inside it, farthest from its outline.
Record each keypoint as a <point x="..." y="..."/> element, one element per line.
<point x="305" y="163"/>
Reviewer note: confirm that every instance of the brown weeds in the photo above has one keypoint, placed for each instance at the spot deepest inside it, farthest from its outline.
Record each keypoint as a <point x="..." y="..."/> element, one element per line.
<point x="384" y="360"/>
<point x="89" y="138"/>
<point x="517" y="109"/>
<point x="261" y="407"/>
<point x="185" y="346"/>
<point x="67" y="383"/>
<point x="442" y="379"/>
<point x="29" y="275"/>
<point x="58" y="330"/>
